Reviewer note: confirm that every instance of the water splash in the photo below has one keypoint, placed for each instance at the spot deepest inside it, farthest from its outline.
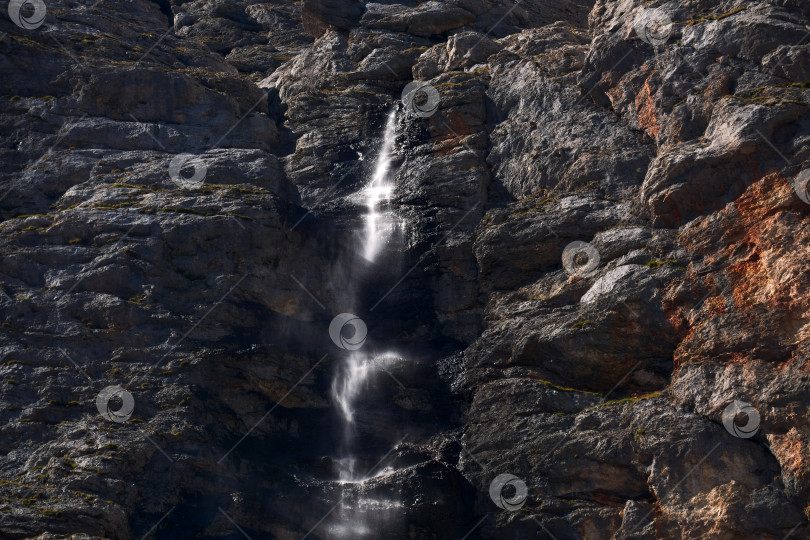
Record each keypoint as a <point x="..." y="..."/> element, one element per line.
<point x="358" y="385"/>
<point x="353" y="381"/>
<point x="380" y="222"/>
<point x="364" y="518"/>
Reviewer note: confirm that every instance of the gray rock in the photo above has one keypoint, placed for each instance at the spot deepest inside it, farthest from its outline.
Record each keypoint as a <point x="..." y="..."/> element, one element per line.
<point x="557" y="122"/>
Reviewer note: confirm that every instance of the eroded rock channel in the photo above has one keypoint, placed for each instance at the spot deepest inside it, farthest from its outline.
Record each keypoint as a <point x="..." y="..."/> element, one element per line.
<point x="470" y="269"/>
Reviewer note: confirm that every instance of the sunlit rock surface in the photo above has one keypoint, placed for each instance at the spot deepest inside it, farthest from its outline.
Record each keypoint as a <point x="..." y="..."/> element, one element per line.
<point x="673" y="150"/>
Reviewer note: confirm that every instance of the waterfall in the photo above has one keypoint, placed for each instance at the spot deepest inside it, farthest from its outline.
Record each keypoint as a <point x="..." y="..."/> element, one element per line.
<point x="380" y="224"/>
<point x="359" y="367"/>
<point x="360" y="386"/>
<point x="346" y="388"/>
<point x="367" y="513"/>
<point x="358" y="373"/>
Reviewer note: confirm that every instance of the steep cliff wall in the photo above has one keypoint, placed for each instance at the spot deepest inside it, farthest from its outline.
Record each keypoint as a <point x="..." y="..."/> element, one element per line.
<point x="178" y="221"/>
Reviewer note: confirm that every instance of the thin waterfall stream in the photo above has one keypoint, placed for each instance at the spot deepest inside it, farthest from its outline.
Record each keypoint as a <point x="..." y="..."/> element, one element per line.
<point x="380" y="224"/>
<point x="361" y="371"/>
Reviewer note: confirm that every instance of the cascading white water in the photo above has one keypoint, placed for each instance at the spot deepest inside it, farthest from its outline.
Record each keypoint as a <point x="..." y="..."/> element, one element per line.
<point x="358" y="373"/>
<point x="348" y="386"/>
<point x="380" y="224"/>
<point x="362" y="370"/>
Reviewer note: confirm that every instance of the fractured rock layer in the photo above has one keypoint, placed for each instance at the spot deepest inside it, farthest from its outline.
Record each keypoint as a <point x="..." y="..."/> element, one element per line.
<point x="178" y="217"/>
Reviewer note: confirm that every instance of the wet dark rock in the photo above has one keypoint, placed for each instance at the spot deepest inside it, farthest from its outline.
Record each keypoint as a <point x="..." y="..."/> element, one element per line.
<point x="557" y="122"/>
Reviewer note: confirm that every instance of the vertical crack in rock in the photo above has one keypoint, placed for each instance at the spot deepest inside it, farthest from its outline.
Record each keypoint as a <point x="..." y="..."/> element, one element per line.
<point x="590" y="320"/>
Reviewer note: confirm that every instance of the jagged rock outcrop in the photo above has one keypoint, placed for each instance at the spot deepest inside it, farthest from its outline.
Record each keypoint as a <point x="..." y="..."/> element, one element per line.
<point x="178" y="217"/>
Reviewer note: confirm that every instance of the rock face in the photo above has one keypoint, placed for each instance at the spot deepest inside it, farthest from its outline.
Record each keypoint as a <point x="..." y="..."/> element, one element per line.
<point x="318" y="16"/>
<point x="179" y="217"/>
